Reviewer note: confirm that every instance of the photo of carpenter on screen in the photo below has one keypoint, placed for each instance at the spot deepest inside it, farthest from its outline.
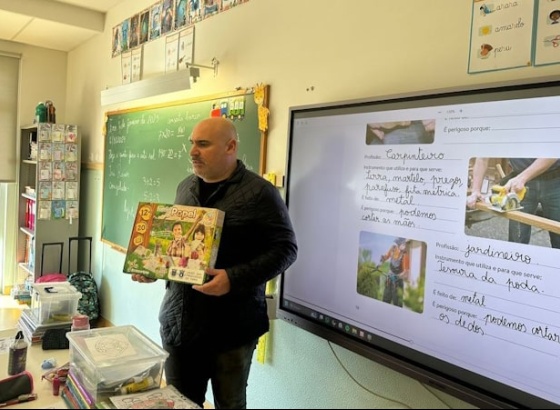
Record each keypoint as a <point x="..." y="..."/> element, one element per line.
<point x="401" y="132"/>
<point x="514" y="200"/>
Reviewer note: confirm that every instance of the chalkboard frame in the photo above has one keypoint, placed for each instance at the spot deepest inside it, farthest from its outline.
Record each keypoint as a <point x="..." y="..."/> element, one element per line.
<point x="111" y="236"/>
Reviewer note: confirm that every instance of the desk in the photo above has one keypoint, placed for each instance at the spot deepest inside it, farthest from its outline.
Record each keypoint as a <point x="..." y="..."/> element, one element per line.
<point x="43" y="388"/>
<point x="9" y="318"/>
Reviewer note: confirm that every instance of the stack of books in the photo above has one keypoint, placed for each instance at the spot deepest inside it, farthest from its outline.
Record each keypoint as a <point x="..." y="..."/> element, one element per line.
<point x="75" y="395"/>
<point x="33" y="330"/>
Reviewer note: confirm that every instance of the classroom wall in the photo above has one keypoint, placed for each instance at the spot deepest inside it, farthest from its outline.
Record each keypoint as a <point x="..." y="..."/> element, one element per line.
<point x="308" y="52"/>
<point x="42" y="77"/>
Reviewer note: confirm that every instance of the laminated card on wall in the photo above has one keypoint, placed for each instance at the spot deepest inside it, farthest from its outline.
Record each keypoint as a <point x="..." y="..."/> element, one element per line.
<point x="174" y="242"/>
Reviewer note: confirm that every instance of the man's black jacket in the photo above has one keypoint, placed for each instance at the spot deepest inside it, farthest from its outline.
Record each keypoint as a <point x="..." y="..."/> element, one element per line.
<point x="257" y="244"/>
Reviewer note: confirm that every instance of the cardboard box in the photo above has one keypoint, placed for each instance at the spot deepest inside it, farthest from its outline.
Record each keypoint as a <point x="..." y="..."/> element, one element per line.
<point x="174" y="242"/>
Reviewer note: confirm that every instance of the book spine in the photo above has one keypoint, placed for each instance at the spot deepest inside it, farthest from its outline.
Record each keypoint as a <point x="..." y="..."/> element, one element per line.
<point x="73" y="380"/>
<point x="28" y="213"/>
<point x="68" y="398"/>
<point x="28" y="321"/>
<point x="77" y="396"/>
<point x="32" y="210"/>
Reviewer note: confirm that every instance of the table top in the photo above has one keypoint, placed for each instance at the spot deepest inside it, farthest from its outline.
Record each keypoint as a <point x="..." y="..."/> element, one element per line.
<point x="9" y="318"/>
<point x="35" y="357"/>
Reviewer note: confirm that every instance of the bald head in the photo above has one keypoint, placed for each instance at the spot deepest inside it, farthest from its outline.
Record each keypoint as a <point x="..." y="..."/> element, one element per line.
<point x="214" y="149"/>
<point x="221" y="128"/>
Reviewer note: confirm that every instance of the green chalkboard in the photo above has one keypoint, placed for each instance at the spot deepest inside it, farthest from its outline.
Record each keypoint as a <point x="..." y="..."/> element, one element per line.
<point x="147" y="153"/>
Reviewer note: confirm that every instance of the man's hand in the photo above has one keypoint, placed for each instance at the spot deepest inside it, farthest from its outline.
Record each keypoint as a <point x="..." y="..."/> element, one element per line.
<point x="136" y="277"/>
<point x="515" y="184"/>
<point x="473" y="198"/>
<point x="218" y="286"/>
<point x="380" y="128"/>
<point x="429" y="125"/>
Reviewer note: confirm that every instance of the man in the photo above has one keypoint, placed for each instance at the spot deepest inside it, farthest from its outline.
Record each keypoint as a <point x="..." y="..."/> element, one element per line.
<point x="541" y="176"/>
<point x="211" y="330"/>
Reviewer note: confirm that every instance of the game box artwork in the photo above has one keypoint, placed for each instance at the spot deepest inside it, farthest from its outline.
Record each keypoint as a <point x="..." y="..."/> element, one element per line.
<point x="174" y="242"/>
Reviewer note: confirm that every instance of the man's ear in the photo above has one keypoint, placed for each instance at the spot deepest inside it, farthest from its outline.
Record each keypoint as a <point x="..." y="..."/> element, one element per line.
<point x="232" y="145"/>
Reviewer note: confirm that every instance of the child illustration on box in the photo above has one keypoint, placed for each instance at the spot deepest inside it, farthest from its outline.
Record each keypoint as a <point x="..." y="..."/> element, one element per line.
<point x="178" y="245"/>
<point x="181" y="247"/>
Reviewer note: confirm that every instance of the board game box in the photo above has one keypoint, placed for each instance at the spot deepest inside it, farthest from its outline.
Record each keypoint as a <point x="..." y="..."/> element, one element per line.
<point x="174" y="242"/>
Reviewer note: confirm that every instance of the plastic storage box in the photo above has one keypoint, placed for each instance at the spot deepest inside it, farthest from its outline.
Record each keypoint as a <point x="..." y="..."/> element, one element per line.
<point x="116" y="360"/>
<point x="54" y="302"/>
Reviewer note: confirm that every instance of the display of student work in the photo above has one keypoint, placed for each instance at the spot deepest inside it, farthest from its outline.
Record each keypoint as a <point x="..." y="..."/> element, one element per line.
<point x="507" y="35"/>
<point x="49" y="195"/>
<point x="162" y="18"/>
<point x="147" y="152"/>
<point x="501" y="35"/>
<point x="174" y="242"/>
<point x="428" y="233"/>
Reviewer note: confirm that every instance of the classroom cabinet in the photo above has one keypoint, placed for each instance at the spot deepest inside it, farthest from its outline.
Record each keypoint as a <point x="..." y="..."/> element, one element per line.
<point x="49" y="192"/>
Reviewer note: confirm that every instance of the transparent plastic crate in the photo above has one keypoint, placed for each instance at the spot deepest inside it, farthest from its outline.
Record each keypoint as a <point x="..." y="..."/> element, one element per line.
<point x="54" y="302"/>
<point x="104" y="360"/>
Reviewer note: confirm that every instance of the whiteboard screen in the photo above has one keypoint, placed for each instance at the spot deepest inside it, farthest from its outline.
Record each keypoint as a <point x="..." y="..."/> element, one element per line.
<point x="396" y="265"/>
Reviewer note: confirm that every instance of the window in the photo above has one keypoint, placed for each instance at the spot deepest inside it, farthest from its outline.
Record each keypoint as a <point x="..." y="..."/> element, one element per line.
<point x="9" y="86"/>
<point x="9" y="80"/>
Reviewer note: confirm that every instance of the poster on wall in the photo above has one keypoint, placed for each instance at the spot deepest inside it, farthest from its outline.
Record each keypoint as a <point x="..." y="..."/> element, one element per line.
<point x="180" y="14"/>
<point x="136" y="64"/>
<point x="501" y="35"/>
<point x="116" y="46"/>
<point x="186" y="47"/>
<point x="547" y="37"/>
<point x="155" y="21"/>
<point x="144" y="25"/>
<point x="134" y="32"/>
<point x="171" y="53"/>
<point x="162" y="18"/>
<point x="167" y="16"/>
<point x="126" y="67"/>
<point x="125" y="35"/>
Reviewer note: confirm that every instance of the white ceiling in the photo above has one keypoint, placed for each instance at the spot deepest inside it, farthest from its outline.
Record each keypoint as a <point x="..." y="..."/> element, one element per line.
<point x="56" y="24"/>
